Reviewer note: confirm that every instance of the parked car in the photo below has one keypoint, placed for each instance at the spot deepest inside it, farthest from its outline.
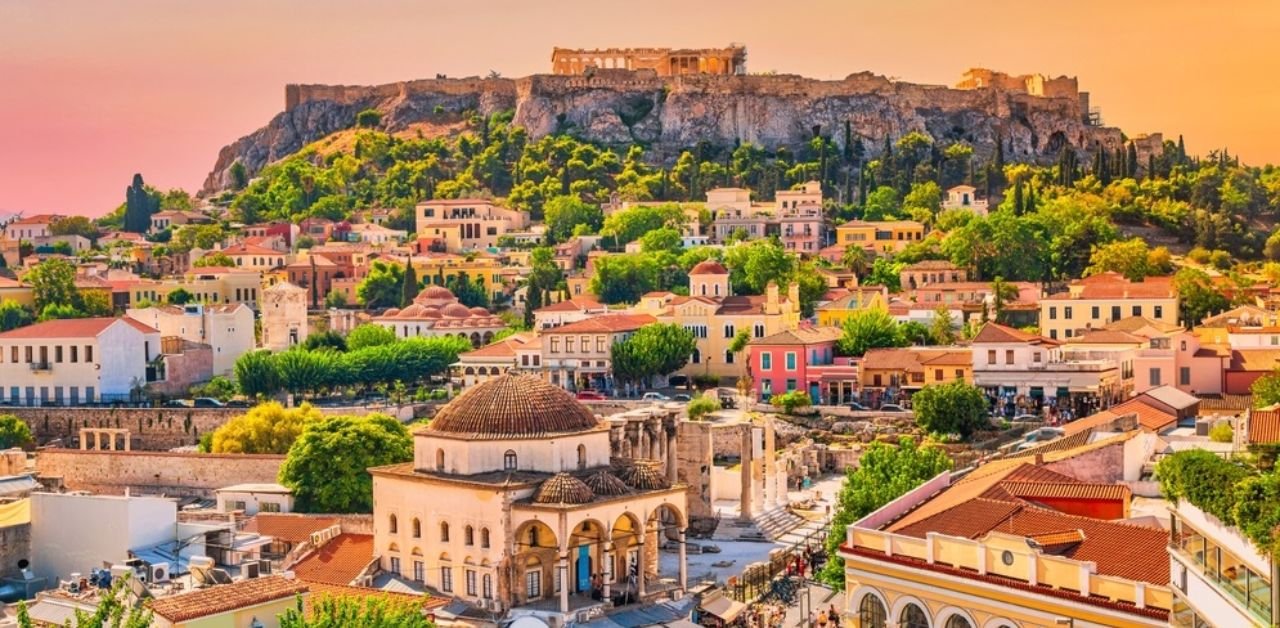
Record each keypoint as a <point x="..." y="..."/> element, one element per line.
<point x="239" y="403"/>
<point x="590" y="395"/>
<point x="177" y="403"/>
<point x="1028" y="417"/>
<point x="655" y="396"/>
<point x="208" y="402"/>
<point x="682" y="398"/>
<point x="892" y="407"/>
<point x="853" y="405"/>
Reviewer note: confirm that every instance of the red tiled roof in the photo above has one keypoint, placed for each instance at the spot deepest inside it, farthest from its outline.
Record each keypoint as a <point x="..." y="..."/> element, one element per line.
<point x="1149" y="417"/>
<point x="1114" y="286"/>
<point x="1107" y="337"/>
<point x="1264" y="425"/>
<point x="802" y="336"/>
<point x="337" y="562"/>
<point x="226" y="597"/>
<point x="248" y="249"/>
<point x="605" y="323"/>
<point x="1254" y="359"/>
<point x="72" y="328"/>
<point x="573" y="305"/>
<point x="1066" y="490"/>
<point x="291" y="528"/>
<point x="512" y="406"/>
<point x="995" y="332"/>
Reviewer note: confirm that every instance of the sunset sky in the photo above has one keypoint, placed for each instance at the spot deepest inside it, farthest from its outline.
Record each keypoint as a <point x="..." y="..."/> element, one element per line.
<point x="92" y="91"/>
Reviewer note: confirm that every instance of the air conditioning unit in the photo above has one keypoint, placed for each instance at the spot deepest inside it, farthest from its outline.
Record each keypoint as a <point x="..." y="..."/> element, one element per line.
<point x="251" y="570"/>
<point x="157" y="573"/>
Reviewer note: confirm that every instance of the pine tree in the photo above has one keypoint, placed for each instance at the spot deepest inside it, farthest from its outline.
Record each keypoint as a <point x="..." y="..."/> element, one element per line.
<point x="533" y="301"/>
<point x="409" y="285"/>
<point x="1018" y="199"/>
<point x="848" y="142"/>
<point x="1031" y="200"/>
<point x="1000" y="153"/>
<point x="139" y="205"/>
<point x="1151" y="166"/>
<point x="1182" y="151"/>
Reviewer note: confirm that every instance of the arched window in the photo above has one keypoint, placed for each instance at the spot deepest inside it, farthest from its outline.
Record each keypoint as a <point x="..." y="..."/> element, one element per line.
<point x="871" y="612"/>
<point x="509" y="460"/>
<point x="444" y="532"/>
<point x="393" y="524"/>
<point x="958" y="621"/>
<point x="913" y="617"/>
<point x="439" y="460"/>
<point x="468" y="536"/>
<point x="484" y="538"/>
<point x="417" y="528"/>
<point x="582" y="456"/>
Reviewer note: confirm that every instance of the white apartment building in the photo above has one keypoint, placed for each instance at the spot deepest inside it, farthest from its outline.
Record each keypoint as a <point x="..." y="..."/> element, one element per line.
<point x="75" y="360"/>
<point x="1218" y="576"/>
<point x="466" y="224"/>
<point x="227" y="328"/>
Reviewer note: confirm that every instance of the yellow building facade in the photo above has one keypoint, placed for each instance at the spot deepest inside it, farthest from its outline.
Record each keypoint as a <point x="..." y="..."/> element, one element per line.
<point x="886" y="236"/>
<point x="833" y="314"/>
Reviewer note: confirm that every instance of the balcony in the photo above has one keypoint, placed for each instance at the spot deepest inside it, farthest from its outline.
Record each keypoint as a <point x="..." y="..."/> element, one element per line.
<point x="41" y="366"/>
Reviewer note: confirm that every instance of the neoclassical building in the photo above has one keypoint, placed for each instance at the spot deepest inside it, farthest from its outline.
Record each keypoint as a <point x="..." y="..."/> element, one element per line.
<point x="513" y="503"/>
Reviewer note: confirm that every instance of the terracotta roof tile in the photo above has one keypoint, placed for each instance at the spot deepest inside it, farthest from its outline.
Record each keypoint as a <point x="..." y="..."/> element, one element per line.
<point x="1149" y="417"/>
<point x="1264" y="425"/>
<point x="1254" y="359"/>
<point x="226" y="597"/>
<point x="563" y="488"/>
<point x="337" y="562"/>
<point x="288" y="527"/>
<point x="1113" y="286"/>
<point x="644" y="475"/>
<point x="995" y="332"/>
<point x="1066" y="490"/>
<point x="575" y="304"/>
<point x="72" y="328"/>
<point x="513" y="406"/>
<point x="801" y="336"/>
<point x="605" y="323"/>
<point x="708" y="267"/>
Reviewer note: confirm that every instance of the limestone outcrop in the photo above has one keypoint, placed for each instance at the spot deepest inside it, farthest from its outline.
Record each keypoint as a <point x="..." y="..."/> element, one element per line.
<point x="673" y="113"/>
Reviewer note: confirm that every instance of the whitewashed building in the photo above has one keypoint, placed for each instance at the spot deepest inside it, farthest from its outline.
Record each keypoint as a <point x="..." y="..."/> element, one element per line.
<point x="76" y="360"/>
<point x="227" y="329"/>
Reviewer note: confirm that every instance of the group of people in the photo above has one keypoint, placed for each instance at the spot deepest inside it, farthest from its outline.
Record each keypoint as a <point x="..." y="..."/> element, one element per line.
<point x="762" y="615"/>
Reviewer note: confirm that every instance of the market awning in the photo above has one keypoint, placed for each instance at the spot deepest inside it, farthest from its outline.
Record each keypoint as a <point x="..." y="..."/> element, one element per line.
<point x="725" y="608"/>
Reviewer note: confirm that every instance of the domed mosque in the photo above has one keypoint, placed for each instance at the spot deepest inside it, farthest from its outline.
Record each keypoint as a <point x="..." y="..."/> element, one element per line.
<point x="437" y="312"/>
<point x="512" y="502"/>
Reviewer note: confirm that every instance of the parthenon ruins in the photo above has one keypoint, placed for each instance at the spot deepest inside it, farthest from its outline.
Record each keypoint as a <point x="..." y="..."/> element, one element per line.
<point x="664" y="61"/>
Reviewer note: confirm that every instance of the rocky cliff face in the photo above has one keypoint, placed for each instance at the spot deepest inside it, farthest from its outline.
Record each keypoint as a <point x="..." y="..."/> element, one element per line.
<point x="670" y="114"/>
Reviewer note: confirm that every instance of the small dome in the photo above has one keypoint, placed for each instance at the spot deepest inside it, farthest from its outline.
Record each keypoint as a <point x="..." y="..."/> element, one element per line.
<point x="513" y="406"/>
<point x="563" y="488"/>
<point x="413" y="311"/>
<point x="606" y="484"/>
<point x="455" y="310"/>
<point x="644" y="475"/>
<point x="708" y="267"/>
<point x="479" y="311"/>
<point x="391" y="311"/>
<point x="435" y="292"/>
<point x="430" y="312"/>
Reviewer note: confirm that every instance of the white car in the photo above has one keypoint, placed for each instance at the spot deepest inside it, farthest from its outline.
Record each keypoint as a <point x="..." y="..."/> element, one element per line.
<point x="655" y="396"/>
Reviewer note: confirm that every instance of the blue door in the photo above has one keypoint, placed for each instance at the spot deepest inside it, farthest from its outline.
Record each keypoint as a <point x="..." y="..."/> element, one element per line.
<point x="813" y="392"/>
<point x="584" y="568"/>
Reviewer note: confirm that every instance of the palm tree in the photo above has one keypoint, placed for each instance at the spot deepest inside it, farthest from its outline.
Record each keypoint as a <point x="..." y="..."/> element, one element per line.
<point x="856" y="260"/>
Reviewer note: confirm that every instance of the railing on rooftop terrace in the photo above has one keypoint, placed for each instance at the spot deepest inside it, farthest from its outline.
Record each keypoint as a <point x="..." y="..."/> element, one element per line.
<point x="1009" y="556"/>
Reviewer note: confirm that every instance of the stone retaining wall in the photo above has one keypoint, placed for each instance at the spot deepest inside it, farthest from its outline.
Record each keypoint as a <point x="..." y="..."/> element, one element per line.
<point x="170" y="473"/>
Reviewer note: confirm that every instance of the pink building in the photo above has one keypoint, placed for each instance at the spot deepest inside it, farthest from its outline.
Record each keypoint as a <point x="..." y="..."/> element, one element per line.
<point x="802" y="359"/>
<point x="1179" y="360"/>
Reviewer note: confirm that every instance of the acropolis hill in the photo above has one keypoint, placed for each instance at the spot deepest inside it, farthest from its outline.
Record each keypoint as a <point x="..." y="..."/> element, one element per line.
<point x="671" y="100"/>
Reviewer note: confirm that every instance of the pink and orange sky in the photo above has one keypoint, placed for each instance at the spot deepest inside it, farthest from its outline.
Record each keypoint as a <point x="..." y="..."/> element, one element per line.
<point x="93" y="91"/>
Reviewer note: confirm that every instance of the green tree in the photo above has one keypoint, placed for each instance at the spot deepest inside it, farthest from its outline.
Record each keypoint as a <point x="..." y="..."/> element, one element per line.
<point x="657" y="349"/>
<point x="856" y="259"/>
<point x="327" y="339"/>
<point x="629" y="224"/>
<point x="327" y="466"/>
<point x="868" y="329"/>
<point x="219" y="387"/>
<point x="13" y="315"/>
<point x="887" y="273"/>
<point x="239" y="176"/>
<point x="665" y="239"/>
<point x="74" y="225"/>
<point x="884" y="473"/>
<point x="1266" y="389"/>
<point x="140" y="202"/>
<point x="256" y="374"/>
<point x="267" y="428"/>
<point x="564" y="213"/>
<point x="382" y="286"/>
<point x="369" y="118"/>
<point x="941" y="330"/>
<point x="624" y="278"/>
<point x="1131" y="258"/>
<point x="925" y="197"/>
<point x="179" y="297"/>
<point x="53" y="282"/>
<point x="14" y="432"/>
<point x="702" y="405"/>
<point x="754" y="265"/>
<point x="881" y="204"/>
<point x="951" y="408"/>
<point x="1198" y="296"/>
<point x="216" y="259"/>
<point x="1002" y="294"/>
<point x="789" y="401"/>
<point x="408" y="285"/>
<point x="329" y="611"/>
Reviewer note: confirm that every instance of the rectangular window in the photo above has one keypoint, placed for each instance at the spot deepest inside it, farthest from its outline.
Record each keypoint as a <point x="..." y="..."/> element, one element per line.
<point x="555" y="344"/>
<point x="728" y="331"/>
<point x="487" y="582"/>
<point x="1155" y="377"/>
<point x="13" y="354"/>
<point x="791" y="361"/>
<point x="960" y="374"/>
<point x="1115" y="312"/>
<point x="471" y="582"/>
<point x="1008" y="356"/>
<point x="1137" y="310"/>
<point x="395" y="565"/>
<point x="88" y="354"/>
<point x="446" y="579"/>
<point x="586" y="343"/>
<point x="600" y="345"/>
<point x="791" y="385"/>
<point x="991" y="356"/>
<point x="937" y="374"/>
<point x="1094" y="312"/>
<point x="728" y="357"/>
<point x="1066" y="312"/>
<point x="766" y="361"/>
<point x="1053" y="313"/>
<point x="1053" y="334"/>
<point x="1158" y="311"/>
<point x="57" y="354"/>
<point x="759" y="331"/>
<point x="269" y="507"/>
<point x="1184" y="376"/>
<point x="533" y="584"/>
<point x="568" y="344"/>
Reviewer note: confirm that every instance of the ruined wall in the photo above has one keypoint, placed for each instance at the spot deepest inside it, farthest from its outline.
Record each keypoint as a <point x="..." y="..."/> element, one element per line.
<point x="150" y="428"/>
<point x="170" y="473"/>
<point x="693" y="465"/>
<point x="670" y="114"/>
<point x="15" y="545"/>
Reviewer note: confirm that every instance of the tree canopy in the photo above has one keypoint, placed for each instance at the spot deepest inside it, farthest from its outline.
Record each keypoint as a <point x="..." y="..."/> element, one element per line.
<point x="14" y="432"/>
<point x="267" y="428"/>
<point x="951" y="408"/>
<point x="653" y="350"/>
<point x="328" y="611"/>
<point x="327" y="465"/>
<point x="867" y="329"/>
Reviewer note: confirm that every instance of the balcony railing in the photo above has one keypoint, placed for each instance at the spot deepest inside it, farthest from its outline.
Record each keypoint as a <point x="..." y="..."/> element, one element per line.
<point x="41" y="366"/>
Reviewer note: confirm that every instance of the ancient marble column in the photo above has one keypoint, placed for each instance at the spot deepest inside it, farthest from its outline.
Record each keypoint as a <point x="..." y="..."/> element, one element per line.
<point x="563" y="566"/>
<point x="748" y="447"/>
<point x="770" y="467"/>
<point x="608" y="567"/>
<point x="684" y="565"/>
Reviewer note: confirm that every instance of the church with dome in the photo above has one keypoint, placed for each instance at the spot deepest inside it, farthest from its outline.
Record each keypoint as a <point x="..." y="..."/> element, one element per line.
<point x="437" y="312"/>
<point x="515" y="503"/>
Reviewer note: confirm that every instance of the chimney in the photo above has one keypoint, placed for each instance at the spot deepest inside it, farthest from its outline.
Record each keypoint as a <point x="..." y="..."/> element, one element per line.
<point x="771" y="299"/>
<point x="793" y="295"/>
<point x="1039" y="459"/>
